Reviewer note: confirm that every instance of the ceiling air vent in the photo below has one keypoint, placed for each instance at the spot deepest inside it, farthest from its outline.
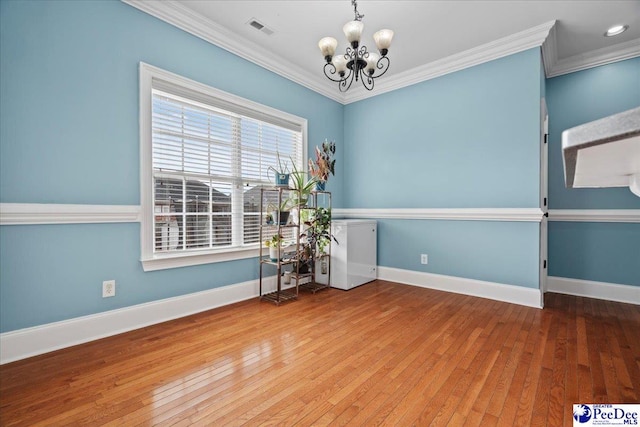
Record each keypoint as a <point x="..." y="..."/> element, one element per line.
<point x="260" y="26"/>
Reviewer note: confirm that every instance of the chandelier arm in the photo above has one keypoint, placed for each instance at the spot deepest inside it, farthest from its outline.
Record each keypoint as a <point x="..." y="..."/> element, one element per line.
<point x="367" y="80"/>
<point x="383" y="64"/>
<point x="330" y="71"/>
<point x="345" y="84"/>
<point x="350" y="53"/>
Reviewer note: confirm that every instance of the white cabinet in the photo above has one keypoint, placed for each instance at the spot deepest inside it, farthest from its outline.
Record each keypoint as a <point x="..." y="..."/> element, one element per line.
<point x="354" y="257"/>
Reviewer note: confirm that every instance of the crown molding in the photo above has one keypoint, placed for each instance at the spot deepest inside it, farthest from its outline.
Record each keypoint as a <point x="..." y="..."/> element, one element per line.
<point x="518" y="42"/>
<point x="178" y="15"/>
<point x="549" y="50"/>
<point x="544" y="36"/>
<point x="556" y="67"/>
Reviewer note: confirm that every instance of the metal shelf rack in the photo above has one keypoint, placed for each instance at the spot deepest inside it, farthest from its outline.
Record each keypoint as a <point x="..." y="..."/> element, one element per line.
<point x="280" y="295"/>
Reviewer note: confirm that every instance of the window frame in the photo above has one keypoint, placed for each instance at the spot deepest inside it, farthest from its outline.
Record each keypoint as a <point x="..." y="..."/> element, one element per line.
<point x="148" y="75"/>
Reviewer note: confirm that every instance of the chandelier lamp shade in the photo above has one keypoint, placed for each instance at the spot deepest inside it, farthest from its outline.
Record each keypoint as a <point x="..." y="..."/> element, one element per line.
<point x="357" y="63"/>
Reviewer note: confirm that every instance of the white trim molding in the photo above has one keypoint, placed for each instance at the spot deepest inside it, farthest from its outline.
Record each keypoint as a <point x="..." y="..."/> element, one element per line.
<point x="173" y="260"/>
<point x="150" y="78"/>
<point x="514" y="43"/>
<point x="554" y="67"/>
<point x="459" y="214"/>
<point x="41" y="213"/>
<point x="180" y="16"/>
<point x="530" y="297"/>
<point x="544" y="36"/>
<point x="28" y="342"/>
<point x="598" y="290"/>
<point x="595" y="215"/>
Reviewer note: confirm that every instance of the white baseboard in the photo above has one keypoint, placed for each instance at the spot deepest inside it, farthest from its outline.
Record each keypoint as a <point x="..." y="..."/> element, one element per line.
<point x="23" y="343"/>
<point x="598" y="290"/>
<point x="496" y="291"/>
<point x="28" y="342"/>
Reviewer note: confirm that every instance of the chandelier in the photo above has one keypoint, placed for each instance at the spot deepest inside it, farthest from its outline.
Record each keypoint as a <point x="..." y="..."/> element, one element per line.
<point x="357" y="63"/>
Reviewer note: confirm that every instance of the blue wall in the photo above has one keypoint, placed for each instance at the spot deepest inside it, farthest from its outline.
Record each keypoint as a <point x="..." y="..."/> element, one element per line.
<point x="494" y="251"/>
<point x="69" y="134"/>
<point x="606" y="252"/>
<point x="577" y="98"/>
<point x="603" y="252"/>
<point x="469" y="139"/>
<point x="464" y="140"/>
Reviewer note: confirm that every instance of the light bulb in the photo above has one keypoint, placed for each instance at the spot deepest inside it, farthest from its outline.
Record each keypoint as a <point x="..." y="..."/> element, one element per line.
<point x="340" y="62"/>
<point x="372" y="62"/>
<point x="383" y="40"/>
<point x="328" y="46"/>
<point x="353" y="31"/>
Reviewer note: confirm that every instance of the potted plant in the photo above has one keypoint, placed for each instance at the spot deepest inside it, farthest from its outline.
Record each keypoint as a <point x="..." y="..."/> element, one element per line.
<point x="282" y="173"/>
<point x="317" y="236"/>
<point x="304" y="258"/>
<point x="279" y="214"/>
<point x="324" y="164"/>
<point x="269" y="219"/>
<point x="301" y="187"/>
<point x="274" y="244"/>
<point x="319" y="231"/>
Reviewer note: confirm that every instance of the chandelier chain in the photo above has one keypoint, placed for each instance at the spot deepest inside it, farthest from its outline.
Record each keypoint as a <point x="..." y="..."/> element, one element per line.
<point x="358" y="17"/>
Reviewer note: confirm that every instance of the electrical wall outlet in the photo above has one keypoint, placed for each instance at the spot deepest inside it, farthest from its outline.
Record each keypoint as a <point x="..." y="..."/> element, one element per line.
<point x="424" y="259"/>
<point x="108" y="288"/>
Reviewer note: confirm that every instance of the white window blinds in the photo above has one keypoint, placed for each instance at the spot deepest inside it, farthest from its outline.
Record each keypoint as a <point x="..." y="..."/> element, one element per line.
<point x="209" y="158"/>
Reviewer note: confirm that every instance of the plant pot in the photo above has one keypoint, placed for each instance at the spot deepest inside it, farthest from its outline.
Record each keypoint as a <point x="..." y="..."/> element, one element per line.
<point x="281" y="217"/>
<point x="273" y="253"/>
<point x="320" y="185"/>
<point x="303" y="268"/>
<point x="282" y="179"/>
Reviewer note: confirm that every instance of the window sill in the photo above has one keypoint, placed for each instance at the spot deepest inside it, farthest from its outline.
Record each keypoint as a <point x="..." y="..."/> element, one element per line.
<point x="166" y="261"/>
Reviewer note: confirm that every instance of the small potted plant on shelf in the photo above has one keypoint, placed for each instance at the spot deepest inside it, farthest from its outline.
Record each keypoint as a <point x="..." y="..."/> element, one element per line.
<point x="303" y="258"/>
<point x="316" y="237"/>
<point x="279" y="214"/>
<point x="321" y="233"/>
<point x="324" y="164"/>
<point x="282" y="173"/>
<point x="275" y="244"/>
<point x="301" y="187"/>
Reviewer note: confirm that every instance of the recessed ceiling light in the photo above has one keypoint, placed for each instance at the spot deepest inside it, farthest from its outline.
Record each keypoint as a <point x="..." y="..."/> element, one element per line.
<point x="615" y="30"/>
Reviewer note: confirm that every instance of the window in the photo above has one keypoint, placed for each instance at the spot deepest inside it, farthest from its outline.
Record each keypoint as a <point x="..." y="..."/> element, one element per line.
<point x="204" y="155"/>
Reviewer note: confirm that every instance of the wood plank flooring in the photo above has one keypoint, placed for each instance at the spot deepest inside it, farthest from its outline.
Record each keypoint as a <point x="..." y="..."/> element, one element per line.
<point x="381" y="354"/>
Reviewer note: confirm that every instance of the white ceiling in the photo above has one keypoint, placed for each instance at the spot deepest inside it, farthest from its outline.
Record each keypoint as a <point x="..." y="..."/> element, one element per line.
<point x="426" y="32"/>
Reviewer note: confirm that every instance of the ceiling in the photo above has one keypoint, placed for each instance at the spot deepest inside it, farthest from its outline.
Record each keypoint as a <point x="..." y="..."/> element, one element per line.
<point x="429" y="35"/>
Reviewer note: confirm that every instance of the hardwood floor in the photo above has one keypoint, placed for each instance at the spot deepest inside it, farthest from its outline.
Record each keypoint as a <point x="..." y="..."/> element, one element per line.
<point x="380" y="354"/>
